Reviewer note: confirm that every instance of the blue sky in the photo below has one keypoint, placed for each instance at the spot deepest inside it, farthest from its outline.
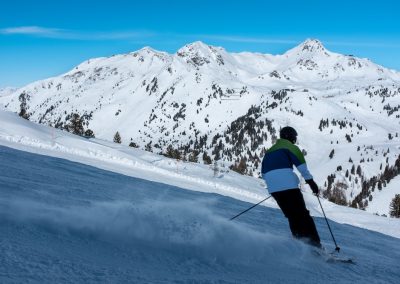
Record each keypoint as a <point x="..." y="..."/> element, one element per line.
<point x="40" y="39"/>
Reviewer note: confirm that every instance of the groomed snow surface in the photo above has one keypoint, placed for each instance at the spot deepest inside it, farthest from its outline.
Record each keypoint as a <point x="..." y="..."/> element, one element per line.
<point x="81" y="211"/>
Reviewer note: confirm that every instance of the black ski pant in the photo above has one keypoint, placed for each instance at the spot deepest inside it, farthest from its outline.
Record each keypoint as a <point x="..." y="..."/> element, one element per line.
<point x="301" y="224"/>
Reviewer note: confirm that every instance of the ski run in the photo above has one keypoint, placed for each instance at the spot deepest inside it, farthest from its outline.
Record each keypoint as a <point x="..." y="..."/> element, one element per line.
<point x="77" y="210"/>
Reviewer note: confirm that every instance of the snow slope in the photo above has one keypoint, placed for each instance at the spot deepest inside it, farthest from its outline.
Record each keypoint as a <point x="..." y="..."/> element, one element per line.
<point x="24" y="135"/>
<point x="123" y="215"/>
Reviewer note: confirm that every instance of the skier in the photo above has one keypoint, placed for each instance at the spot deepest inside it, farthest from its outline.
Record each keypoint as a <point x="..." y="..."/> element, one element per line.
<point x="283" y="184"/>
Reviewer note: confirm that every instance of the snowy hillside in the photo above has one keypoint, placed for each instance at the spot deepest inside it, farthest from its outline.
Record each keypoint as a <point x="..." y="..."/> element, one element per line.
<point x="7" y="91"/>
<point x="27" y="136"/>
<point x="205" y="104"/>
<point x="113" y="214"/>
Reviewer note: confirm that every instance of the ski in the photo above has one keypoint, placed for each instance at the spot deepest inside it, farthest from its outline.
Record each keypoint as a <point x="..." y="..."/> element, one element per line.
<point x="333" y="257"/>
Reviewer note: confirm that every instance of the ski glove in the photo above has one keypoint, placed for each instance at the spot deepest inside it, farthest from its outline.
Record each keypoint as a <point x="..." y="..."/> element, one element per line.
<point x="313" y="186"/>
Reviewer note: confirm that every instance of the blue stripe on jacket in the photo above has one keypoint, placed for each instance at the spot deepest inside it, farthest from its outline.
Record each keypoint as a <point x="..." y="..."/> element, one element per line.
<point x="277" y="167"/>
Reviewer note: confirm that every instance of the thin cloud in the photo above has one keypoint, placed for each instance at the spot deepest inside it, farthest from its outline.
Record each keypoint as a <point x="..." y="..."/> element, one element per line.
<point x="31" y="30"/>
<point x="377" y="43"/>
<point x="261" y="40"/>
<point x="117" y="35"/>
<point x="65" y="34"/>
<point x="112" y="35"/>
<point x="267" y="40"/>
<point x="55" y="33"/>
<point x="243" y="39"/>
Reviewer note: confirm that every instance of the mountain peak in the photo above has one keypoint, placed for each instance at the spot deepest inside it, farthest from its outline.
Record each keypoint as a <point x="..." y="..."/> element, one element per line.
<point x="308" y="48"/>
<point x="312" y="45"/>
<point x="198" y="53"/>
<point x="149" y="50"/>
<point x="197" y="46"/>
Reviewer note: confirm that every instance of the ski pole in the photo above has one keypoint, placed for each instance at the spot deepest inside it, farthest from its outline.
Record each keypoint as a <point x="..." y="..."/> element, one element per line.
<point x="329" y="227"/>
<point x="249" y="208"/>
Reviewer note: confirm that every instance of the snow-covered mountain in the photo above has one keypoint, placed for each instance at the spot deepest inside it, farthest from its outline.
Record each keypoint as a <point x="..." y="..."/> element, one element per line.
<point x="206" y="104"/>
<point x="7" y="91"/>
<point x="76" y="210"/>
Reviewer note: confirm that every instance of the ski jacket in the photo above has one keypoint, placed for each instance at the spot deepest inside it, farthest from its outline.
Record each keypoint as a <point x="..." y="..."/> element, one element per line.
<point x="277" y="166"/>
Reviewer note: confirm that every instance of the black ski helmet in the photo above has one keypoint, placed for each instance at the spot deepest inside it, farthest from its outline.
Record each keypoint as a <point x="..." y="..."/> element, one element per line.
<point x="288" y="133"/>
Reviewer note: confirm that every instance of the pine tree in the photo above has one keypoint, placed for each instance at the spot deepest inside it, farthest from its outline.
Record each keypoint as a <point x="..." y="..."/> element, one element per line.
<point x="206" y="159"/>
<point x="194" y="157"/>
<point x="89" y="133"/>
<point x="358" y="171"/>
<point x="75" y="125"/>
<point x="353" y="170"/>
<point x="379" y="185"/>
<point x="133" y="144"/>
<point x="148" y="147"/>
<point x="240" y="167"/>
<point x="23" y="106"/>
<point x="117" y="138"/>
<point x="395" y="207"/>
<point x="332" y="153"/>
<point x="173" y="153"/>
<point x="170" y="152"/>
<point x="337" y="195"/>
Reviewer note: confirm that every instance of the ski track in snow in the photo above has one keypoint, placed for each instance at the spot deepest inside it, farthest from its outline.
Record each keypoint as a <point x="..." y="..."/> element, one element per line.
<point x="62" y="221"/>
